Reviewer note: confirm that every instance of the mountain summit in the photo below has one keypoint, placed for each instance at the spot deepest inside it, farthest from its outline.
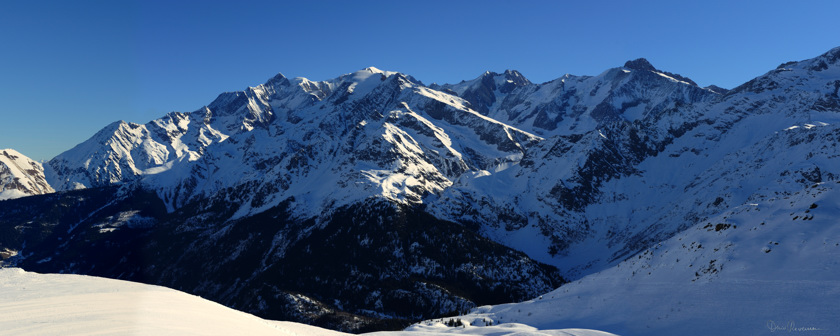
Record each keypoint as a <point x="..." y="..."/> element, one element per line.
<point x="639" y="64"/>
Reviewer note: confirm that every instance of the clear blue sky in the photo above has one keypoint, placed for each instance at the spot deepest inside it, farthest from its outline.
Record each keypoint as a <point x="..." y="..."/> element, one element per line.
<point x="68" y="68"/>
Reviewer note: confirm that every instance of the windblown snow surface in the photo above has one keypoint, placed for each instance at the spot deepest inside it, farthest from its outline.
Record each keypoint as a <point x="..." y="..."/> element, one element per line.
<point x="65" y="304"/>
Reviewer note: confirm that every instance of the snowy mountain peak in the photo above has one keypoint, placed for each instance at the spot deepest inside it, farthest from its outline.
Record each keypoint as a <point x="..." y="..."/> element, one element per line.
<point x="277" y="81"/>
<point x="508" y="76"/>
<point x="834" y="54"/>
<point x="516" y="78"/>
<point x="21" y="176"/>
<point x="491" y="80"/>
<point x="830" y="59"/>
<point x="639" y="64"/>
<point x="486" y="90"/>
<point x="373" y="70"/>
<point x="369" y="72"/>
<point x="643" y="64"/>
<point x="816" y="77"/>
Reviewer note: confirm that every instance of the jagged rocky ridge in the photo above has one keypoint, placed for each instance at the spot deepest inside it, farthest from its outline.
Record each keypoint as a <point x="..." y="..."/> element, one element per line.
<point x="580" y="172"/>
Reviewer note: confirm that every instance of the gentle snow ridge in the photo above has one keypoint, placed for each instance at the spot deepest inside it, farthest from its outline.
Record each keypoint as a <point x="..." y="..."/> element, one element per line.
<point x="63" y="304"/>
<point x="66" y="304"/>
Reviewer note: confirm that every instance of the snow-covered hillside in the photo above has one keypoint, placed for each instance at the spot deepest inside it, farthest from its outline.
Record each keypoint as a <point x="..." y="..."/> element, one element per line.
<point x="65" y="304"/>
<point x="768" y="265"/>
<point x="21" y="176"/>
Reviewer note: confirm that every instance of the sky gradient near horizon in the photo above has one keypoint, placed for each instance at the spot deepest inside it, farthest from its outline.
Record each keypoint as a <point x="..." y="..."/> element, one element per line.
<point x="67" y="69"/>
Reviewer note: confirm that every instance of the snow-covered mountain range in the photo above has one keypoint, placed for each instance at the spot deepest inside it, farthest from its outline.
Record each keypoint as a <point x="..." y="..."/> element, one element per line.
<point x="373" y="133"/>
<point x="582" y="173"/>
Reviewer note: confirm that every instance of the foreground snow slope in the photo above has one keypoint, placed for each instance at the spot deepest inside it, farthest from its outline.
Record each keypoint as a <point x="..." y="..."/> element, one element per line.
<point x="767" y="266"/>
<point x="66" y="304"/>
